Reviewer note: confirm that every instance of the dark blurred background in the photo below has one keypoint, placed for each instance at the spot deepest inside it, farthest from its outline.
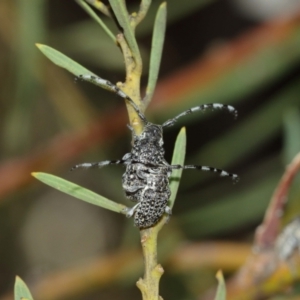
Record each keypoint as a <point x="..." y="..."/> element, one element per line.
<point x="241" y="52"/>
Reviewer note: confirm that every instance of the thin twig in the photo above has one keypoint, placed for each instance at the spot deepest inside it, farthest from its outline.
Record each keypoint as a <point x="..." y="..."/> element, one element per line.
<point x="268" y="231"/>
<point x="149" y="284"/>
<point x="138" y="17"/>
<point x="132" y="84"/>
<point x="263" y="274"/>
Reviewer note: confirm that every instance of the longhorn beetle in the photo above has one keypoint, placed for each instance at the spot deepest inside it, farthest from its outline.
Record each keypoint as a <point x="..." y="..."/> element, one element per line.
<point x="146" y="179"/>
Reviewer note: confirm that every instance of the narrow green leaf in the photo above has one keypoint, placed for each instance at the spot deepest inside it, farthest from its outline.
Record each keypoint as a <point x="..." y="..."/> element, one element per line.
<point x="67" y="63"/>
<point x="79" y="192"/>
<point x="156" y="50"/>
<point x="178" y="159"/>
<point x="122" y="16"/>
<point x="92" y="14"/>
<point x="100" y="6"/>
<point x="221" y="291"/>
<point x="63" y="61"/>
<point x="21" y="290"/>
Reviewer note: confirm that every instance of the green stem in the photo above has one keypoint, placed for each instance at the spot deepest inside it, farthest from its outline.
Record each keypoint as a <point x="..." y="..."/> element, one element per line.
<point x="138" y="17"/>
<point x="149" y="285"/>
<point x="132" y="84"/>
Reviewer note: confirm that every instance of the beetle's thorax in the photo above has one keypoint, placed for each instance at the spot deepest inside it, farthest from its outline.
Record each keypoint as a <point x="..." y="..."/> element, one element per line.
<point x="148" y="146"/>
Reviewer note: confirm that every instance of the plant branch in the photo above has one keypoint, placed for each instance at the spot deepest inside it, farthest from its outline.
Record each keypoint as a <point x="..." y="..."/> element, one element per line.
<point x="267" y="232"/>
<point x="138" y="17"/>
<point x="149" y="285"/>
<point x="123" y="19"/>
<point x="132" y="84"/>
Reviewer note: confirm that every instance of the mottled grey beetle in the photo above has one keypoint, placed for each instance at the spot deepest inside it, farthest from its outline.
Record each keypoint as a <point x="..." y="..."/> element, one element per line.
<point x="146" y="179"/>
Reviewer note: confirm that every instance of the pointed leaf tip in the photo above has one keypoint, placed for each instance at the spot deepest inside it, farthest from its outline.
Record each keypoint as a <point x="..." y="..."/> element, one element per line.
<point x="221" y="290"/>
<point x="63" y="61"/>
<point x="21" y="290"/>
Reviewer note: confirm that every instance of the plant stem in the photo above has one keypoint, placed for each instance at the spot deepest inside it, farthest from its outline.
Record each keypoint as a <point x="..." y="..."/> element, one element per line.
<point x="268" y="231"/>
<point x="138" y="17"/>
<point x="149" y="285"/>
<point x="132" y="84"/>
